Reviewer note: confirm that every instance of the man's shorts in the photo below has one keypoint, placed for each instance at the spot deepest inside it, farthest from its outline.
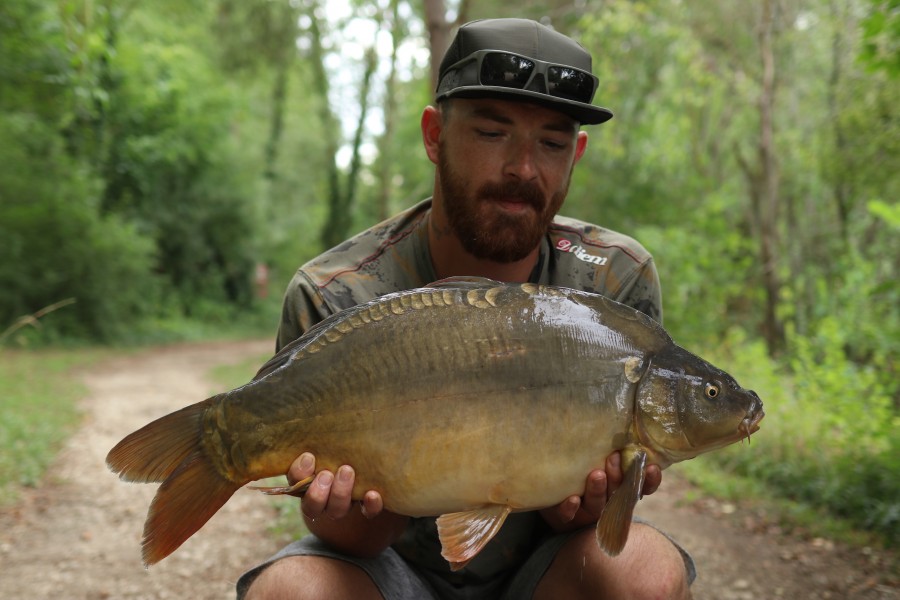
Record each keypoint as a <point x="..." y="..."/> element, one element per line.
<point x="396" y="579"/>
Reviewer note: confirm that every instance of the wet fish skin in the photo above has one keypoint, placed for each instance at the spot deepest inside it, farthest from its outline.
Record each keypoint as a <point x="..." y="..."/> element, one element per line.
<point x="468" y="400"/>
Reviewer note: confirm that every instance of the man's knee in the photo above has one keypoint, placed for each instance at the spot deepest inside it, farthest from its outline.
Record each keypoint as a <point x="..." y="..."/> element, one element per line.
<point x="649" y="567"/>
<point x="655" y="566"/>
<point x="312" y="577"/>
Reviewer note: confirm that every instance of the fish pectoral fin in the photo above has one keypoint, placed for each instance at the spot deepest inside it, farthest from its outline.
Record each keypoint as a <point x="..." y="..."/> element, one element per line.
<point x="615" y="521"/>
<point x="635" y="368"/>
<point x="298" y="489"/>
<point x="464" y="534"/>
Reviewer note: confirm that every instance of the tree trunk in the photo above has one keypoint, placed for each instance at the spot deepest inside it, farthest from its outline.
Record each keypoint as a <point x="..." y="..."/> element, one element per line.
<point x="332" y="230"/>
<point x="385" y="143"/>
<point x="279" y="97"/>
<point x="840" y="186"/>
<point x="763" y="184"/>
<point x="440" y="30"/>
<point x="345" y="216"/>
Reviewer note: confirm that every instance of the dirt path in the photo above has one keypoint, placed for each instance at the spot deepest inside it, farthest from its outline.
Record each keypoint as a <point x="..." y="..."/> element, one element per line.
<point x="78" y="536"/>
<point x="741" y="556"/>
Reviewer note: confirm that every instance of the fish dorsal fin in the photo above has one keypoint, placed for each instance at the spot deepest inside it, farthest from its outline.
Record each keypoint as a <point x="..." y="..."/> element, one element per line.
<point x="284" y="355"/>
<point x="465" y="282"/>
<point x="281" y="358"/>
<point x="614" y="523"/>
<point x="464" y="534"/>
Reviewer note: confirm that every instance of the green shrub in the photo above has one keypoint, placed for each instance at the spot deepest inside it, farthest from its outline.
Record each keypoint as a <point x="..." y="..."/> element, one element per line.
<point x="830" y="438"/>
<point x="56" y="244"/>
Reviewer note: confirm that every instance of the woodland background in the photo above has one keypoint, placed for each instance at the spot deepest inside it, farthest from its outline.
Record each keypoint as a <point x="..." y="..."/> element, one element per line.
<point x="156" y="156"/>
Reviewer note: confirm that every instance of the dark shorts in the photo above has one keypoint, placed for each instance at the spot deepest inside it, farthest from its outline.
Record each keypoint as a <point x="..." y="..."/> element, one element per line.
<point x="396" y="579"/>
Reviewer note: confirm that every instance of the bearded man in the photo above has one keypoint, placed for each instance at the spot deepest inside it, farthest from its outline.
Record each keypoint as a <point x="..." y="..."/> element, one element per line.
<point x="505" y="135"/>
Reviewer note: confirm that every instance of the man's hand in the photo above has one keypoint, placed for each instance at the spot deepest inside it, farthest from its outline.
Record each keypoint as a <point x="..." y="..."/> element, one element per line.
<point x="330" y="494"/>
<point x="578" y="511"/>
<point x="329" y="513"/>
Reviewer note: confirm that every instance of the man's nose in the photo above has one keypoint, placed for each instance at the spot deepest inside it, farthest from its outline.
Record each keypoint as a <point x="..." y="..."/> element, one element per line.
<point x="520" y="162"/>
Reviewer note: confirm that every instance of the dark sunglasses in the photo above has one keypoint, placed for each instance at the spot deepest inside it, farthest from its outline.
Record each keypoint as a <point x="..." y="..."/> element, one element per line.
<point x="505" y="69"/>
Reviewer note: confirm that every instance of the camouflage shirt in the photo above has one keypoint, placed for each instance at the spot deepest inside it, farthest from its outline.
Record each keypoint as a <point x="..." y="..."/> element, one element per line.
<point x="394" y="256"/>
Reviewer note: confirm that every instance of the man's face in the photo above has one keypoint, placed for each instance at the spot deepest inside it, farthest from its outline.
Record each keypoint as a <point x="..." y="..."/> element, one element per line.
<point x="503" y="171"/>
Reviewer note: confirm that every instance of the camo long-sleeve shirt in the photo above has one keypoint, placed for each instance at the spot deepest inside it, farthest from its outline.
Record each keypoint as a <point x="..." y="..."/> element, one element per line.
<point x="394" y="256"/>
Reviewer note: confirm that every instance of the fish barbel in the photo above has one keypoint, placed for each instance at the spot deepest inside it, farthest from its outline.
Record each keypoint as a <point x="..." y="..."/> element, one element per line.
<point x="467" y="400"/>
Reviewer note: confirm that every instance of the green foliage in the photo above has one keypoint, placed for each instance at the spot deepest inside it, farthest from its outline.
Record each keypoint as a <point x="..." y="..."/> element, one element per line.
<point x="170" y="171"/>
<point x="830" y="437"/>
<point x="700" y="296"/>
<point x="881" y="36"/>
<point x="132" y="169"/>
<point x="55" y="243"/>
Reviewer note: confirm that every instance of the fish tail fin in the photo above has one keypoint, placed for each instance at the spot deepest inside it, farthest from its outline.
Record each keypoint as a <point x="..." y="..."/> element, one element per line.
<point x="168" y="450"/>
<point x="153" y="452"/>
<point x="185" y="501"/>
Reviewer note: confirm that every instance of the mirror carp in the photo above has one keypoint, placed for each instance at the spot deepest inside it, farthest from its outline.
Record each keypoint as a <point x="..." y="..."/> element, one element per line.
<point x="465" y="400"/>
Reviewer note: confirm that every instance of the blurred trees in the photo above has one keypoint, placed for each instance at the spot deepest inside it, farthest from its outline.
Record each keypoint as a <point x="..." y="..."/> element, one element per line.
<point x="754" y="149"/>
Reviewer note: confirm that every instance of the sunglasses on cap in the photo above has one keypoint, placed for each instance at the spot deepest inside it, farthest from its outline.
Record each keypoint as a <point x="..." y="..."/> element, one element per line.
<point x="497" y="68"/>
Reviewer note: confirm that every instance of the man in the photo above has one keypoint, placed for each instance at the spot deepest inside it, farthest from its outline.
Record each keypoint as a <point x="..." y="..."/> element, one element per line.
<point x="504" y="135"/>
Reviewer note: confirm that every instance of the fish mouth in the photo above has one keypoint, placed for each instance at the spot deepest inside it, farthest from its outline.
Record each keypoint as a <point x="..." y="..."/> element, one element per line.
<point x="750" y="424"/>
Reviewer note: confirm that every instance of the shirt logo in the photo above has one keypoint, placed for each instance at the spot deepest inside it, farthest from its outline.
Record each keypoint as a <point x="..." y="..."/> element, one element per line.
<point x="580" y="254"/>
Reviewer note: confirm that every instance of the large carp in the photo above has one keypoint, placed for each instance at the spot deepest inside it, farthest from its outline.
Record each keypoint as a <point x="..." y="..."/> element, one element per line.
<point x="467" y="399"/>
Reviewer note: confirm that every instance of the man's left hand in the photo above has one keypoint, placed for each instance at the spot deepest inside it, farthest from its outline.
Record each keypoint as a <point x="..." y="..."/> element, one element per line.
<point x="577" y="511"/>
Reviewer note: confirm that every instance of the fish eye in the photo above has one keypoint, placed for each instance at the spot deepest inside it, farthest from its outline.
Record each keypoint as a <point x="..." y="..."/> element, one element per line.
<point x="712" y="391"/>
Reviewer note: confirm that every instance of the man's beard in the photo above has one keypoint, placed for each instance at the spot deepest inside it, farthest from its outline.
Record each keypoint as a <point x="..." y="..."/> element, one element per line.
<point x="485" y="230"/>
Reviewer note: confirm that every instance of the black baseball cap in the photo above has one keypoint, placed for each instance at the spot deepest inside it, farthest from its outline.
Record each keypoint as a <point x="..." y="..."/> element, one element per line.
<point x="521" y="59"/>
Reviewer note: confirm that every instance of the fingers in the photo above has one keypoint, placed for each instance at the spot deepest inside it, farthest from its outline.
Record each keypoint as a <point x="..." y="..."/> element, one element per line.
<point x="329" y="494"/>
<point x="613" y="472"/>
<point x="652" y="475"/>
<point x="372" y="504"/>
<point x="652" y="479"/>
<point x="595" y="493"/>
<point x="304" y="466"/>
<point x="560" y="517"/>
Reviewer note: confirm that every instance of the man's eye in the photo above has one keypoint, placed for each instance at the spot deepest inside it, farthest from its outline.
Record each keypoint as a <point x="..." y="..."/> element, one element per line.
<point x="488" y="134"/>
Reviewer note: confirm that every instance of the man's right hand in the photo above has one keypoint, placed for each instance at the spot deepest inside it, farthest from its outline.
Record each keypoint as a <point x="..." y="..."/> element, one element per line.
<point x="329" y="511"/>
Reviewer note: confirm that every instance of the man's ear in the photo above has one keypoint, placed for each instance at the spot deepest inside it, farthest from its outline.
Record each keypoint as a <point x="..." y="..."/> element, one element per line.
<point x="580" y="145"/>
<point x="432" y="125"/>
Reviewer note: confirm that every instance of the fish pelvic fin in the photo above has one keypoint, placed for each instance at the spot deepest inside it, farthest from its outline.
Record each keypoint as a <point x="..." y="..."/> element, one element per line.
<point x="153" y="452"/>
<point x="615" y="521"/>
<point x="464" y="534"/>
<point x="298" y="489"/>
<point x="185" y="501"/>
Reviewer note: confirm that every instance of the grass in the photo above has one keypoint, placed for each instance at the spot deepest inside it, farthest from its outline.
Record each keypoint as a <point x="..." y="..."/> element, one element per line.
<point x="38" y="411"/>
<point x="754" y="496"/>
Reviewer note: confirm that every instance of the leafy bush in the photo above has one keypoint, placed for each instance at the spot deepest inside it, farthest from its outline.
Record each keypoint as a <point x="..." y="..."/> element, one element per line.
<point x="830" y="438"/>
<point x="56" y="245"/>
